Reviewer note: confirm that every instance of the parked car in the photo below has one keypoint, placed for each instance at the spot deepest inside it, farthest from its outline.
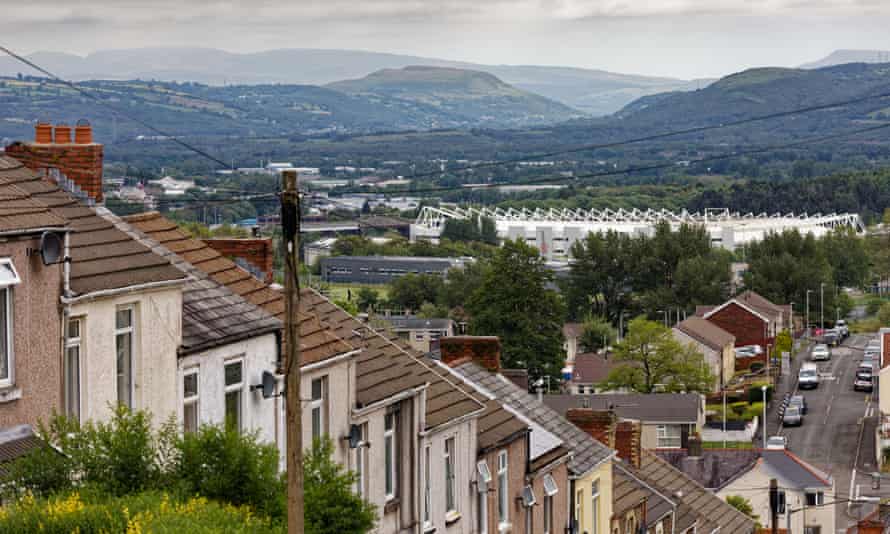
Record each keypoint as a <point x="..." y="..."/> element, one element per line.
<point x="863" y="382"/>
<point x="800" y="402"/>
<point x="792" y="416"/>
<point x="808" y="377"/>
<point x="777" y="443"/>
<point x="831" y="338"/>
<point x="866" y="367"/>
<point x="820" y="352"/>
<point x="748" y="351"/>
<point x="869" y="357"/>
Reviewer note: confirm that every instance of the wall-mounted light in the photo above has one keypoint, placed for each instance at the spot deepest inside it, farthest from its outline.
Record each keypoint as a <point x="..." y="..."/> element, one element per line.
<point x="267" y="386"/>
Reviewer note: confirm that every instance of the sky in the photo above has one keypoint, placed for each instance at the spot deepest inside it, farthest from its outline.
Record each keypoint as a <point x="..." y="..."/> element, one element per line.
<point x="677" y="38"/>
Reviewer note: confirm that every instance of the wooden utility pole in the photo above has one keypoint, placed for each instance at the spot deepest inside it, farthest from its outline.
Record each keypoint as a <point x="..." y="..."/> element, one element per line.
<point x="290" y="224"/>
<point x="774" y="505"/>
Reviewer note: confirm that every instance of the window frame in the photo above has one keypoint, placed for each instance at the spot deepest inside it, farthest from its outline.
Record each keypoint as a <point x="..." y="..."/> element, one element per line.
<point x="427" y="488"/>
<point x="449" y="459"/>
<point x="595" y="506"/>
<point x="361" y="462"/>
<point x="234" y="388"/>
<point x="191" y="400"/>
<point x="818" y="498"/>
<point x="665" y="439"/>
<point x="73" y="342"/>
<point x="503" y="489"/>
<point x="6" y="288"/>
<point x="391" y="455"/>
<point x="319" y="406"/>
<point x="118" y="333"/>
<point x="548" y="514"/>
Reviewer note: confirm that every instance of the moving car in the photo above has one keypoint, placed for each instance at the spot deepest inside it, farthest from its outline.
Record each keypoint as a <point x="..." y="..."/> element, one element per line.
<point x="831" y="338"/>
<point x="808" y="377"/>
<point x="792" y="417"/>
<point x="800" y="402"/>
<point x="863" y="381"/>
<point x="841" y="327"/>
<point x="777" y="443"/>
<point x="820" y="352"/>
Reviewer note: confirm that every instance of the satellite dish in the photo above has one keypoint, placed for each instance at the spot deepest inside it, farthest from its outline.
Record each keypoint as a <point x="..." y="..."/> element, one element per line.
<point x="268" y="385"/>
<point x="51" y="248"/>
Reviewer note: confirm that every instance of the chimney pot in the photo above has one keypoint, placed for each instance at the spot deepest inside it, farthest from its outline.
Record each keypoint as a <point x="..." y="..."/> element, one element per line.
<point x="43" y="133"/>
<point x="62" y="134"/>
<point x="83" y="132"/>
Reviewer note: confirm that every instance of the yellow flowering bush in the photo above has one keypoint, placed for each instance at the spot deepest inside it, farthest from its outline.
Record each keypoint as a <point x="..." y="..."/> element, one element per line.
<point x="149" y="512"/>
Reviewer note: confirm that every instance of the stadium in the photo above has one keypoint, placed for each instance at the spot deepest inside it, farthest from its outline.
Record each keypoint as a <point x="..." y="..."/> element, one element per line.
<point x="554" y="231"/>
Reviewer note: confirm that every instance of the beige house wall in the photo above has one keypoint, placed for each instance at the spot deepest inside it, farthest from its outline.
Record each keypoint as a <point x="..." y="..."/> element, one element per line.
<point x="590" y="521"/>
<point x="156" y="338"/>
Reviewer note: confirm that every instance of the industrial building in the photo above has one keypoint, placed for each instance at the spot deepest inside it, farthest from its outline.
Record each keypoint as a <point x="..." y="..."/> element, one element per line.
<point x="554" y="231"/>
<point x="382" y="269"/>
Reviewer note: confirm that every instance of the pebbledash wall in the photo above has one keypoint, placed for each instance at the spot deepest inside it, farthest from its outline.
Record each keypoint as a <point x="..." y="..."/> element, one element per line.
<point x="158" y="330"/>
<point x="35" y="391"/>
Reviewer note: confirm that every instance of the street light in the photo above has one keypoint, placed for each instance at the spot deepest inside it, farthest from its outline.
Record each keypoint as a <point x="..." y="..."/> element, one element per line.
<point x="664" y="316"/>
<point x="621" y="325"/>
<point x="808" y="311"/>
<point x="762" y="398"/>
<point x="822" y="305"/>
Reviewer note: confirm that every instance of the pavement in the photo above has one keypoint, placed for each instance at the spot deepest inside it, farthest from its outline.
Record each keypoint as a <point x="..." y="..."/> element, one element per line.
<point x="837" y="435"/>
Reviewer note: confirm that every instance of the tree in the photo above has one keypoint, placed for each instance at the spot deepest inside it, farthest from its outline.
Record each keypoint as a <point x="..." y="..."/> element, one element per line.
<point x="884" y="314"/>
<point x="412" y="290"/>
<point x="784" y="342"/>
<point x="742" y="505"/>
<point x="600" y="275"/>
<point x="514" y="303"/>
<point x="332" y="505"/>
<point x="597" y="333"/>
<point x="848" y="256"/>
<point x="650" y="359"/>
<point x="366" y="299"/>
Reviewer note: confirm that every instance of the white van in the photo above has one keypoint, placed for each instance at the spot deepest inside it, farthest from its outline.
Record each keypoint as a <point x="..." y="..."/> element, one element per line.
<point x="808" y="377"/>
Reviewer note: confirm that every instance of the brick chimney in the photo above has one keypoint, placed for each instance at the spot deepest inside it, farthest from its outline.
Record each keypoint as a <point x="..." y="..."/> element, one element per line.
<point x="256" y="253"/>
<point x="604" y="426"/>
<point x="79" y="160"/>
<point x="484" y="350"/>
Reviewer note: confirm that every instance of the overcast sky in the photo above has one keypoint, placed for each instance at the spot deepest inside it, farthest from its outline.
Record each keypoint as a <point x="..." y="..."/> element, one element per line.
<point x="682" y="38"/>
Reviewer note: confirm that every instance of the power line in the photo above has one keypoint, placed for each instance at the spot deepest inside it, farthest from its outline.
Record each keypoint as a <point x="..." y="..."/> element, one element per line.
<point x="114" y="109"/>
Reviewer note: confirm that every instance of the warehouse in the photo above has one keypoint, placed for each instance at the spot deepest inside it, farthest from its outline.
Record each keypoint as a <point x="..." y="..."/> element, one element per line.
<point x="382" y="269"/>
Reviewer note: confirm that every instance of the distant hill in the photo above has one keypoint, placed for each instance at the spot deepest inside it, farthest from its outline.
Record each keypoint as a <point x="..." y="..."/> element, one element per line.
<point x="475" y="95"/>
<point x="191" y="109"/>
<point x="595" y="92"/>
<point x="768" y="90"/>
<point x="839" y="57"/>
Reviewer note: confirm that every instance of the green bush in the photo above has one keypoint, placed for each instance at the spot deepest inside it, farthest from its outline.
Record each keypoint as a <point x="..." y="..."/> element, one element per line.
<point x="756" y="395"/>
<point x="142" y="512"/>
<point x="739" y="408"/>
<point x="332" y="507"/>
<point x="754" y="410"/>
<point x="232" y="467"/>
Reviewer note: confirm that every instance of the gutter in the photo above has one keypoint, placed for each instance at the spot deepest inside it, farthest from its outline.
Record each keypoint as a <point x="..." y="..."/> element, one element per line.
<point x="87" y="297"/>
<point x="405" y="394"/>
<point x="29" y="231"/>
<point x="190" y="351"/>
<point x="330" y="361"/>
<point x="454" y="422"/>
<point x="608" y="458"/>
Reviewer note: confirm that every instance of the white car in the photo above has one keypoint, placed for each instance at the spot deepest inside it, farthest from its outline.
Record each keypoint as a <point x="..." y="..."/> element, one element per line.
<point x="776" y="443"/>
<point x="820" y="352"/>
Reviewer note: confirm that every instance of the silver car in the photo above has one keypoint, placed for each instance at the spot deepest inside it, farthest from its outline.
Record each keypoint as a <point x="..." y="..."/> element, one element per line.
<point x="793" y="416"/>
<point x="820" y="352"/>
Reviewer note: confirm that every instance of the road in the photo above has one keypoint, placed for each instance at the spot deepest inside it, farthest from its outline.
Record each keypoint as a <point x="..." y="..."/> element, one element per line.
<point x="836" y="436"/>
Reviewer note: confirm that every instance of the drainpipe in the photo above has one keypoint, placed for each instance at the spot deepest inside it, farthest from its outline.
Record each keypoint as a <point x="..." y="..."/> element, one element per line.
<point x="66" y="314"/>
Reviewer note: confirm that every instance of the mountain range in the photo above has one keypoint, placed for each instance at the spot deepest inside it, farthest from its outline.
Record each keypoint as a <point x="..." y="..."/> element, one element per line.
<point x="594" y="92"/>
<point x="840" y="57"/>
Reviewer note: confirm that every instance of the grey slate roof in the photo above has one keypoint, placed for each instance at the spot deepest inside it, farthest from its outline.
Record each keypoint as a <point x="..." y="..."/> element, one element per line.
<point x="212" y="315"/>
<point x="15" y="442"/>
<point x="713" y="511"/>
<point x="649" y="408"/>
<point x="587" y="453"/>
<point x="793" y="471"/>
<point x="706" y="332"/>
<point x="628" y="490"/>
<point x="410" y="322"/>
<point x="714" y="469"/>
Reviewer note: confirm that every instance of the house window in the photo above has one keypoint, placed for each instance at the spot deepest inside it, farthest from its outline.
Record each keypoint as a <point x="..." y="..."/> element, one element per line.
<point x="427" y="489"/>
<point x="190" y="400"/>
<point x="503" y="498"/>
<point x="123" y="334"/>
<point x="319" y="408"/>
<point x="781" y="504"/>
<point x="659" y="528"/>
<point x="234" y="380"/>
<point x="450" y="501"/>
<point x="418" y="336"/>
<point x="815" y="498"/>
<point x="579" y="510"/>
<point x="390" y="444"/>
<point x="8" y="278"/>
<point x="360" y="461"/>
<point x="669" y="436"/>
<point x="72" y="368"/>
<point x="595" y="506"/>
<point x="812" y="530"/>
